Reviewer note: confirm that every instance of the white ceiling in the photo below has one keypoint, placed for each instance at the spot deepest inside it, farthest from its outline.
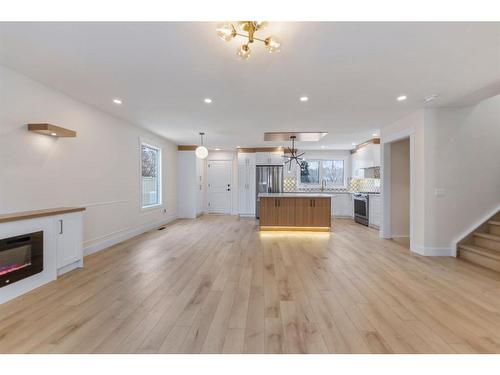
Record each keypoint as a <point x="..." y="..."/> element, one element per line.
<point x="352" y="73"/>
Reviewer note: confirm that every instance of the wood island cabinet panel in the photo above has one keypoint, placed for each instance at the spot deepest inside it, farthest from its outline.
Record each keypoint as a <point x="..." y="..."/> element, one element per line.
<point x="286" y="211"/>
<point x="295" y="212"/>
<point x="268" y="212"/>
<point x="321" y="212"/>
<point x="303" y="212"/>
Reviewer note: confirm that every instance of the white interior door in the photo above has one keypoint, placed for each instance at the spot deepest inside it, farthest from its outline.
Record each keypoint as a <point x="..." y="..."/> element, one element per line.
<point x="219" y="186"/>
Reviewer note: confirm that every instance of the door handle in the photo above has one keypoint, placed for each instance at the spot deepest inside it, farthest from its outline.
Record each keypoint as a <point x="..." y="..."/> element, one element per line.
<point x="61" y="227"/>
<point x="228" y="189"/>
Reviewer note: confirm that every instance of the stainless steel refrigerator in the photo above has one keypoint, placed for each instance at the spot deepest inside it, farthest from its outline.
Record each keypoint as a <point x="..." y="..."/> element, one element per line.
<point x="269" y="179"/>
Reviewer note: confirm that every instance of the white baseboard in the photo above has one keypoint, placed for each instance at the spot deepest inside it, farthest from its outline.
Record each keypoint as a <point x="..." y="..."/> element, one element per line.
<point x="433" y="251"/>
<point x="246" y="215"/>
<point x="124" y="235"/>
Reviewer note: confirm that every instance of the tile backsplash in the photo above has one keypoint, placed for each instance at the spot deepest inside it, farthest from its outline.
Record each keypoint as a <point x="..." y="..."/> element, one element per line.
<point x="354" y="185"/>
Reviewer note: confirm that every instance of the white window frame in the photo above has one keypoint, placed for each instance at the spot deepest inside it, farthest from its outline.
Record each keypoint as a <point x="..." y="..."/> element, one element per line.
<point x="305" y="185"/>
<point x="160" y="175"/>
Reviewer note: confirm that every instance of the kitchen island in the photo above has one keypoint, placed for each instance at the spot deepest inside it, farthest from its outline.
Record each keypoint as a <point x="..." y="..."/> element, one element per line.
<point x="295" y="211"/>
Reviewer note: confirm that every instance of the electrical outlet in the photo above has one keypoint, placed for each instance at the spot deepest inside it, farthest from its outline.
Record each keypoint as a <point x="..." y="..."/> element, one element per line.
<point x="440" y="192"/>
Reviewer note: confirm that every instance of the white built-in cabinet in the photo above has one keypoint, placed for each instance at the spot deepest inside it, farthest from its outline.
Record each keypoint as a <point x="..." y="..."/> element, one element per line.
<point x="69" y="238"/>
<point x="246" y="184"/>
<point x="374" y="210"/>
<point x="190" y="180"/>
<point x="342" y="205"/>
<point x="269" y="158"/>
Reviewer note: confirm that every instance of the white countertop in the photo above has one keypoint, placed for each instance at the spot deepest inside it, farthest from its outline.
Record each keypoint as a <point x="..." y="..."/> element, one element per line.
<point x="294" y="195"/>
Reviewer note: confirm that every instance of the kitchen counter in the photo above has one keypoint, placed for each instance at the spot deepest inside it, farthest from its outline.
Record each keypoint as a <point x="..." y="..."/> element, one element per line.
<point x="295" y="195"/>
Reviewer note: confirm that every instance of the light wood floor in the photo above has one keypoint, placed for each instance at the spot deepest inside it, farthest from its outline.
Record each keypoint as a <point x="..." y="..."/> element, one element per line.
<point x="217" y="285"/>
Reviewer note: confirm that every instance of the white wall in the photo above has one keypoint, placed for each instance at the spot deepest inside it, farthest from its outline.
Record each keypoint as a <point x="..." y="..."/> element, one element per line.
<point x="455" y="171"/>
<point x="463" y="148"/>
<point x="99" y="169"/>
<point x="400" y="188"/>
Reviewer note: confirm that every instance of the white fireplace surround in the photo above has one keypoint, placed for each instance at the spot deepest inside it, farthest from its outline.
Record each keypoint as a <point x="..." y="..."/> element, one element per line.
<point x="49" y="226"/>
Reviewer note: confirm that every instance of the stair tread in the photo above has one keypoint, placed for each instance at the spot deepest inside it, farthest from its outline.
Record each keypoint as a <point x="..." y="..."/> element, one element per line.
<point x="481" y="251"/>
<point x="489" y="236"/>
<point x="493" y="222"/>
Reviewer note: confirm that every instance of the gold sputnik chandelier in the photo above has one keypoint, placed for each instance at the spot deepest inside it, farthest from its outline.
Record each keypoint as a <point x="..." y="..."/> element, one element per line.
<point x="247" y="29"/>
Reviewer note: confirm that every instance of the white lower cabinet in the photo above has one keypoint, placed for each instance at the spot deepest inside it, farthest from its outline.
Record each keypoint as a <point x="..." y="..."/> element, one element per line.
<point x="374" y="210"/>
<point x="246" y="190"/>
<point x="342" y="205"/>
<point x="69" y="237"/>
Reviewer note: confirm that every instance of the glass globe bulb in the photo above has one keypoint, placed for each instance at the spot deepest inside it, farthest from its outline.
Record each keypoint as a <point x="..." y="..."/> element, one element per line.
<point x="225" y="31"/>
<point x="243" y="52"/>
<point x="243" y="25"/>
<point x="201" y="152"/>
<point x="272" y="44"/>
<point x="259" y="25"/>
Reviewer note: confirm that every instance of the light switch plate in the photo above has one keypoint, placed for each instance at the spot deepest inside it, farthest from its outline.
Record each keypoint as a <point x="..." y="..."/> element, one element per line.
<point x="440" y="192"/>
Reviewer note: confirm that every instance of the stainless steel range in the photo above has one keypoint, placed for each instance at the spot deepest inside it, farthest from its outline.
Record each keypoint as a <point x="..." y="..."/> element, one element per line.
<point x="361" y="207"/>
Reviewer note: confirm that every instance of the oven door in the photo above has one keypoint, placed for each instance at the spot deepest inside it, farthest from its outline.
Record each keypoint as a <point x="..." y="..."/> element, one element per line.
<point x="361" y="210"/>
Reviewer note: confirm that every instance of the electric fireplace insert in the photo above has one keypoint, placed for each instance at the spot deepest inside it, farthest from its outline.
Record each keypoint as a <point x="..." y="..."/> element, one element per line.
<point x="20" y="257"/>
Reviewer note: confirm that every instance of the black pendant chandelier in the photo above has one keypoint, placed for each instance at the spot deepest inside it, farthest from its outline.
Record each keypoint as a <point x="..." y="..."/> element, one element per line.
<point x="293" y="155"/>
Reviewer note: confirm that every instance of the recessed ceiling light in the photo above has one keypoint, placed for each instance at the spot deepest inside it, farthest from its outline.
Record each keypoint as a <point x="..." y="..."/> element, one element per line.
<point x="217" y="149"/>
<point x="401" y="98"/>
<point x="304" y="98"/>
<point x="53" y="134"/>
<point x="117" y="101"/>
<point x="374" y="135"/>
<point x="207" y="100"/>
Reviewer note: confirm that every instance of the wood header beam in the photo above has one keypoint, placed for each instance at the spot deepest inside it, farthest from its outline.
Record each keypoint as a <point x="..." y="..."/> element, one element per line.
<point x="375" y="141"/>
<point x="186" y="147"/>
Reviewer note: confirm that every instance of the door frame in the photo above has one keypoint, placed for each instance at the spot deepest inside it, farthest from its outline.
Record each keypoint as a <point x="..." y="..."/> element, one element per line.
<point x="386" y="223"/>
<point x="230" y="163"/>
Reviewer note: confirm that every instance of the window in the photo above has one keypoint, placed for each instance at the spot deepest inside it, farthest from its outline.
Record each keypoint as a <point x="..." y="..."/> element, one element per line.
<point x="309" y="172"/>
<point x="150" y="176"/>
<point x="313" y="172"/>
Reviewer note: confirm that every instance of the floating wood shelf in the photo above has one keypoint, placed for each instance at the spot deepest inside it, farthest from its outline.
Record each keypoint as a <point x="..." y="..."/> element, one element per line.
<point x="52" y="130"/>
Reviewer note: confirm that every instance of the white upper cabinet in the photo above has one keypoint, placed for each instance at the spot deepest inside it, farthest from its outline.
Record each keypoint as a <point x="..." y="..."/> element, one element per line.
<point x="366" y="157"/>
<point x="269" y="158"/>
<point x="246" y="158"/>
